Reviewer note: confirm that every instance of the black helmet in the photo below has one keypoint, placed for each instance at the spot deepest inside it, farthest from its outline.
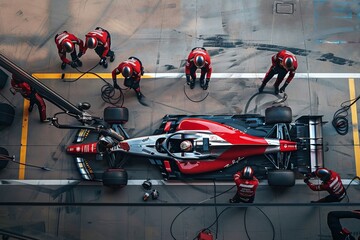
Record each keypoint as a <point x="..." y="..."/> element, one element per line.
<point x="91" y="42"/>
<point x="147" y="185"/>
<point x="68" y="46"/>
<point x="247" y="172"/>
<point x="126" y="71"/>
<point x="199" y="61"/>
<point x="288" y="63"/>
<point x="324" y="174"/>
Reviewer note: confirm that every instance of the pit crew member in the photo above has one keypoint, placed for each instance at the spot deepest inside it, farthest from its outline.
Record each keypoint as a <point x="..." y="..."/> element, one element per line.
<point x="246" y="184"/>
<point x="132" y="70"/>
<point x="331" y="182"/>
<point x="198" y="58"/>
<point x="282" y="63"/>
<point x="30" y="94"/>
<point x="333" y="221"/>
<point x="100" y="40"/>
<point x="65" y="43"/>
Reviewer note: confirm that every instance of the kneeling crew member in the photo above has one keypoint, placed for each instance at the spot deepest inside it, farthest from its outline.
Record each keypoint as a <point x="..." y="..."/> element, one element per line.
<point x="246" y="184"/>
<point x="198" y="58"/>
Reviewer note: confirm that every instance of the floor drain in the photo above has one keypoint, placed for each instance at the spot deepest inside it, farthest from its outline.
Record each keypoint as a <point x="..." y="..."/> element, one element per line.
<point x="284" y="8"/>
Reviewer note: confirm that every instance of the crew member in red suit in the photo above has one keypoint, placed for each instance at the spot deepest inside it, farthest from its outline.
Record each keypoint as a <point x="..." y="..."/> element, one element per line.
<point x="282" y="63"/>
<point x="247" y="184"/>
<point x="30" y="94"/>
<point x="132" y="70"/>
<point x="100" y="40"/>
<point x="331" y="182"/>
<point x="65" y="43"/>
<point x="337" y="231"/>
<point x="198" y="58"/>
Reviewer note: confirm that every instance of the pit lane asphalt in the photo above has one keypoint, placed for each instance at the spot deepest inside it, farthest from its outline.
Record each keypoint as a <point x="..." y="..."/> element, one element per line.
<point x="241" y="37"/>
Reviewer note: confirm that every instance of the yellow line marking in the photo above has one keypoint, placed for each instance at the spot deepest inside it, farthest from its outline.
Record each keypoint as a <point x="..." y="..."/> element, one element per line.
<point x="355" y="126"/>
<point x="75" y="75"/>
<point x="24" y="137"/>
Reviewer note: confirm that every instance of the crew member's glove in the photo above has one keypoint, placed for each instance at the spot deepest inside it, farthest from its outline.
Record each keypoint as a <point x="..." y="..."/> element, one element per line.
<point x="116" y="86"/>
<point x="306" y="180"/>
<point x="102" y="61"/>
<point x="80" y="54"/>
<point x="188" y="79"/>
<point x="282" y="89"/>
<point x="73" y="64"/>
<point x="206" y="85"/>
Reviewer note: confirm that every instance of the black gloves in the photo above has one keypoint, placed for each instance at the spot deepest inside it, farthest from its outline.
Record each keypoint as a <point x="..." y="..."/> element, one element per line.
<point x="206" y="85"/>
<point x="102" y="61"/>
<point x="188" y="79"/>
<point x="73" y="64"/>
<point x="80" y="54"/>
<point x="116" y="86"/>
<point x="306" y="180"/>
<point x="282" y="89"/>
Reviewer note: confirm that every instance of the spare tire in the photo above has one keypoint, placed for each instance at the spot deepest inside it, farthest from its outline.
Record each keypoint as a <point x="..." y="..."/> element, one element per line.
<point x="7" y="113"/>
<point x="116" y="115"/>
<point x="281" y="178"/>
<point x="278" y="114"/>
<point x="3" y="162"/>
<point x="115" y="177"/>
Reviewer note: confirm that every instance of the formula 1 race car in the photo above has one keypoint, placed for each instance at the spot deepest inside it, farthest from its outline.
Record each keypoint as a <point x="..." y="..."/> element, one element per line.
<point x="216" y="146"/>
<point x="188" y="146"/>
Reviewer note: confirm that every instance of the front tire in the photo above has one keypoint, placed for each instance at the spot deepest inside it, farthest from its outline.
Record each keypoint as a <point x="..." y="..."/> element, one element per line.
<point x="3" y="162"/>
<point x="115" y="178"/>
<point x="278" y="114"/>
<point x="116" y="115"/>
<point x="7" y="113"/>
<point x="281" y="178"/>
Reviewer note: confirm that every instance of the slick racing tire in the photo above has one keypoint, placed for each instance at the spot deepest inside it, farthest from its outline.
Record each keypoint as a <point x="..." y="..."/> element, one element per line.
<point x="116" y="115"/>
<point x="278" y="114"/>
<point x="115" y="177"/>
<point x="7" y="113"/>
<point x="281" y="178"/>
<point x="3" y="163"/>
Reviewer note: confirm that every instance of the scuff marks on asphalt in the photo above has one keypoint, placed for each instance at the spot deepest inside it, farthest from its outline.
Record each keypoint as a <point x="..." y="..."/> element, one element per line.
<point x="337" y="60"/>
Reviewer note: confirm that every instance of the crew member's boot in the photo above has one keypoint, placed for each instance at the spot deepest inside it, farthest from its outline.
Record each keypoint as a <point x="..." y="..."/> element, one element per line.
<point x="63" y="66"/>
<point x="276" y="89"/>
<point x="261" y="88"/>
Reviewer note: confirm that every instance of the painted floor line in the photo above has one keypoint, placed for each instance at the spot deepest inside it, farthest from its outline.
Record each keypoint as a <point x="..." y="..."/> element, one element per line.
<point x="156" y="182"/>
<point x="182" y="75"/>
<point x="355" y="126"/>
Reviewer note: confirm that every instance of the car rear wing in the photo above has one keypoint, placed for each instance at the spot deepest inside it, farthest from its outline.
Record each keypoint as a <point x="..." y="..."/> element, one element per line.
<point x="308" y="132"/>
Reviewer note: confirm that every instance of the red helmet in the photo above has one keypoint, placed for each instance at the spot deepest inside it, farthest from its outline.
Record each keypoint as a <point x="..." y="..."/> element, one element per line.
<point x="68" y="45"/>
<point x="126" y="71"/>
<point x="199" y="61"/>
<point x="323" y="173"/>
<point x="91" y="42"/>
<point x="247" y="173"/>
<point x="288" y="62"/>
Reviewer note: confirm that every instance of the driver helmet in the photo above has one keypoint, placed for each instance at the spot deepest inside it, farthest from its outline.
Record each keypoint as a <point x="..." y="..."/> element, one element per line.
<point x="68" y="45"/>
<point x="247" y="172"/>
<point x="199" y="61"/>
<point x="186" y="145"/>
<point x="324" y="174"/>
<point x="91" y="42"/>
<point x="126" y="71"/>
<point x="288" y="62"/>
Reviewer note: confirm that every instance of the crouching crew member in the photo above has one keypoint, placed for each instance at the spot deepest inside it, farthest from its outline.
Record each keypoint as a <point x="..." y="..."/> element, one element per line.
<point x="65" y="43"/>
<point x="132" y="70"/>
<point x="337" y="231"/>
<point x="246" y="184"/>
<point x="282" y="63"/>
<point x="198" y="58"/>
<point x="331" y="182"/>
<point x="100" y="40"/>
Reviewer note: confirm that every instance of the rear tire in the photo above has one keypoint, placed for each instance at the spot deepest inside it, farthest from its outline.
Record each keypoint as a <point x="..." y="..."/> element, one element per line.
<point x="278" y="114"/>
<point x="3" y="163"/>
<point x="115" y="177"/>
<point x="281" y="178"/>
<point x="116" y="115"/>
<point x="7" y="113"/>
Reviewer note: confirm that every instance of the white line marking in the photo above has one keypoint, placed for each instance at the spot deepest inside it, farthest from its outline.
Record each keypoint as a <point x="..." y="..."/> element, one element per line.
<point x="257" y="75"/>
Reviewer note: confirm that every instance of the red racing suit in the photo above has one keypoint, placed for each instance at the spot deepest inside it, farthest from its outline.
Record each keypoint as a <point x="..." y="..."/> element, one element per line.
<point x="104" y="42"/>
<point x="190" y="68"/>
<point x="246" y="188"/>
<point x="59" y="38"/>
<point x="278" y="68"/>
<point x="333" y="186"/>
<point x="137" y="71"/>
<point x="30" y="94"/>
